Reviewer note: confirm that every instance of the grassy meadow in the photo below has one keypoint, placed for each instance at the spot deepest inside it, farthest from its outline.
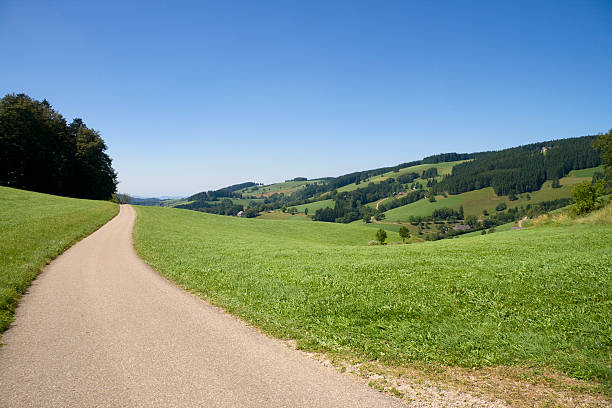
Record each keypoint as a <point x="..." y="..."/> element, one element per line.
<point x="286" y="187"/>
<point x="313" y="207"/>
<point x="35" y="228"/>
<point x="540" y="297"/>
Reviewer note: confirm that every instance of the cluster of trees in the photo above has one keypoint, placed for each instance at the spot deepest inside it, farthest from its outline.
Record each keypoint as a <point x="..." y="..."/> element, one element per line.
<point x="445" y="229"/>
<point x="350" y="205"/>
<point x="588" y="196"/>
<point x="521" y="169"/>
<point x="224" y="206"/>
<point x="603" y="144"/>
<point x="430" y="173"/>
<point x="446" y="213"/>
<point x="395" y="202"/>
<point x="40" y="151"/>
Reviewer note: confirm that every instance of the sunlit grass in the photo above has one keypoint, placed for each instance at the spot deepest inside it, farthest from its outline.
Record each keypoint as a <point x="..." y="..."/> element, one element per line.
<point x="35" y="228"/>
<point x="533" y="297"/>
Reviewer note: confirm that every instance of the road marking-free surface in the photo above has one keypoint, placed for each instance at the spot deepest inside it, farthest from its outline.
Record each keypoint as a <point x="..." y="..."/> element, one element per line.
<point x="100" y="328"/>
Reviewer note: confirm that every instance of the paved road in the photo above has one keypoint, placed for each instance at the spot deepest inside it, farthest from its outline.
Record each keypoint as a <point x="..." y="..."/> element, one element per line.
<point x="100" y="328"/>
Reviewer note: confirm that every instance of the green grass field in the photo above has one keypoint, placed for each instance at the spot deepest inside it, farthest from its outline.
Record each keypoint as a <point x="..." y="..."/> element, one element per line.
<point x="313" y="207"/>
<point x="540" y="297"/>
<point x="586" y="172"/>
<point x="286" y="187"/>
<point x="35" y="228"/>
<point x="279" y="215"/>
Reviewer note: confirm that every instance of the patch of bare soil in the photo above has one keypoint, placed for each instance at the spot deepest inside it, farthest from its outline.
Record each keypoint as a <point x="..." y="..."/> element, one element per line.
<point x="435" y="386"/>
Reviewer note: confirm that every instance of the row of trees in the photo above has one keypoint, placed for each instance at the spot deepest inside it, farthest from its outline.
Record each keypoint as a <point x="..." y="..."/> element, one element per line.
<point x="225" y="192"/>
<point x="350" y="205"/>
<point x="40" y="151"/>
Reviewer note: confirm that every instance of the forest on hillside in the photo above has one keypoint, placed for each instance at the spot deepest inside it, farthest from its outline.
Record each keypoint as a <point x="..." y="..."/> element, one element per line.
<point x="521" y="169"/>
<point x="40" y="151"/>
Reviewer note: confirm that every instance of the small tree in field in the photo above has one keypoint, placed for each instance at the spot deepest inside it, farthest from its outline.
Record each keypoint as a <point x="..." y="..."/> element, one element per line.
<point x="586" y="196"/>
<point x="404" y="233"/>
<point x="381" y="235"/>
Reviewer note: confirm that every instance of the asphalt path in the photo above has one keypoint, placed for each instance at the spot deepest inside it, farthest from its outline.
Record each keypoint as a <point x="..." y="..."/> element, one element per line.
<point x="99" y="328"/>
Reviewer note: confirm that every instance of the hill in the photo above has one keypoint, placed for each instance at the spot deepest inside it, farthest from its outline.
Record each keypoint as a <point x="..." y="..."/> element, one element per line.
<point x="534" y="177"/>
<point x="520" y="298"/>
<point x="34" y="229"/>
<point x="295" y="192"/>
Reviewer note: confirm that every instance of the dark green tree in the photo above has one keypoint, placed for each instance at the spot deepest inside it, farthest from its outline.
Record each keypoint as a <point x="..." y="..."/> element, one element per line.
<point x="40" y="152"/>
<point x="501" y="207"/>
<point x="587" y="197"/>
<point x="381" y="235"/>
<point x="472" y="221"/>
<point x="604" y="145"/>
<point x="404" y="233"/>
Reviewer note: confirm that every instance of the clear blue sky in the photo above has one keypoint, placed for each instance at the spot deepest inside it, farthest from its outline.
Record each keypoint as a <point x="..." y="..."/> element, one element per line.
<point x="191" y="96"/>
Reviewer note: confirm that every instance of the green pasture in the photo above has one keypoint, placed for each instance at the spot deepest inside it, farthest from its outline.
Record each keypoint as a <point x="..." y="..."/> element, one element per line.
<point x="539" y="297"/>
<point x="279" y="215"/>
<point x="286" y="187"/>
<point x="314" y="206"/>
<point x="586" y="172"/>
<point x="35" y="228"/>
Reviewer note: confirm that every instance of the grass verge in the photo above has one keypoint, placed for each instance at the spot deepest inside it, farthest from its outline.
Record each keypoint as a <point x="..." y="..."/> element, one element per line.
<point x="34" y="229"/>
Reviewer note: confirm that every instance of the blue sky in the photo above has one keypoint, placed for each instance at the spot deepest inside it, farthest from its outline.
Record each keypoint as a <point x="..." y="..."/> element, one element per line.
<point x="191" y="96"/>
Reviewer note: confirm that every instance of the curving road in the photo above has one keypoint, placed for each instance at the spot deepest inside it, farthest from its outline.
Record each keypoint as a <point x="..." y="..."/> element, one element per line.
<point x="100" y="328"/>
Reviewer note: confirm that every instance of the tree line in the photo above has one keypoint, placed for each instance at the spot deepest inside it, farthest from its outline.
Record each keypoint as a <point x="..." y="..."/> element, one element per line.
<point x="40" y="151"/>
<point x="225" y="192"/>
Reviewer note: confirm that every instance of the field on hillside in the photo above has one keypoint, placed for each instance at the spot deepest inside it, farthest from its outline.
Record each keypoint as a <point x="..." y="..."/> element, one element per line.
<point x="538" y="297"/>
<point x="443" y="168"/>
<point x="475" y="201"/>
<point x="313" y="207"/>
<point x="279" y="215"/>
<point x="35" y="228"/>
<point x="286" y="187"/>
